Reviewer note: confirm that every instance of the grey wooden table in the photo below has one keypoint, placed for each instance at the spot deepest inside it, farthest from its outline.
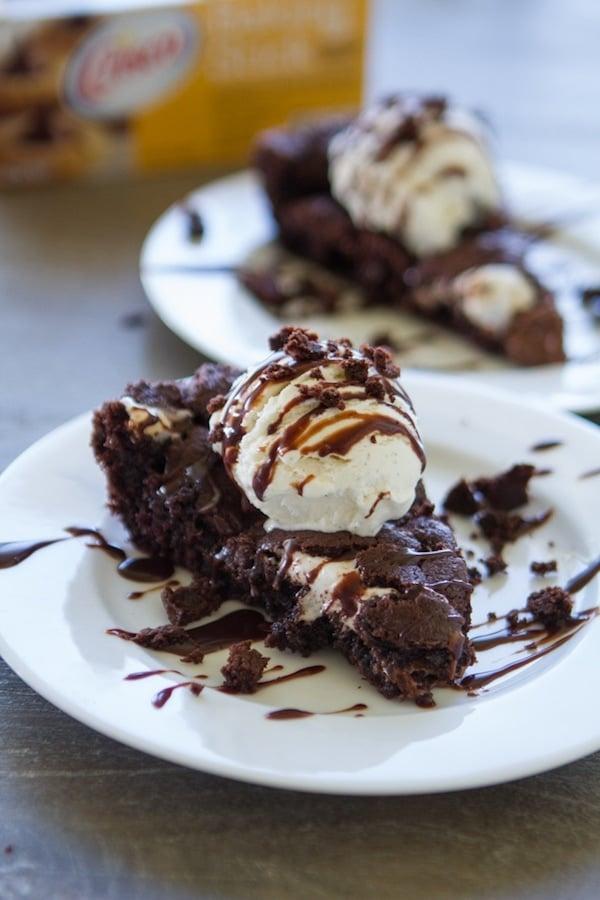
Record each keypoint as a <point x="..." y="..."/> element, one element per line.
<point x="83" y="817"/>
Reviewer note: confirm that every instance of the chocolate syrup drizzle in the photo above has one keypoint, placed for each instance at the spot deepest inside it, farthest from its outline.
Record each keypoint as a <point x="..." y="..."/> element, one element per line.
<point x="545" y="445"/>
<point x="249" y="624"/>
<point x="165" y="694"/>
<point x="137" y="595"/>
<point x="542" y="641"/>
<point x="14" y="552"/>
<point x="591" y="473"/>
<point x="482" y="679"/>
<point x="291" y="713"/>
<point x="347" y="592"/>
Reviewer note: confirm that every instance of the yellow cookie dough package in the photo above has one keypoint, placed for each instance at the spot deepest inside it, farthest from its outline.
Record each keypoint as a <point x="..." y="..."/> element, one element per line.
<point x="96" y="88"/>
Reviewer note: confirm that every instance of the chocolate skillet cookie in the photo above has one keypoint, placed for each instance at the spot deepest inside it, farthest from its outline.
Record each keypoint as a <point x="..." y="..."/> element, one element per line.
<point x="296" y="488"/>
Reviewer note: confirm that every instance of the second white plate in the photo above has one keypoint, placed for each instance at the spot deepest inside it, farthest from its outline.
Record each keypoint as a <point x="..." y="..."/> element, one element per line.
<point x="213" y="313"/>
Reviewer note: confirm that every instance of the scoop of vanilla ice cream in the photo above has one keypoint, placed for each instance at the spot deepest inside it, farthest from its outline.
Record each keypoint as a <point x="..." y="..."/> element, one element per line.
<point x="314" y="447"/>
<point x="416" y="169"/>
<point x="492" y="295"/>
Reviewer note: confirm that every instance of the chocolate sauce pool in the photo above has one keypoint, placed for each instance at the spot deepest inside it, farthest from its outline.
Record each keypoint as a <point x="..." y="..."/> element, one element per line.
<point x="134" y="568"/>
<point x="236" y="626"/>
<point x="249" y="624"/>
<point x="147" y="569"/>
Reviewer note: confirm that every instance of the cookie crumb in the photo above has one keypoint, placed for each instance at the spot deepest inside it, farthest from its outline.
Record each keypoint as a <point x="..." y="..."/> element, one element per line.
<point x="542" y="568"/>
<point x="243" y="669"/>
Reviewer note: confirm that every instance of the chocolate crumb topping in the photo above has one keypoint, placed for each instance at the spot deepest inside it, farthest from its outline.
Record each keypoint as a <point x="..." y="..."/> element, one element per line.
<point x="356" y="369"/>
<point x="215" y="403"/>
<point x="375" y="387"/>
<point x="243" y="669"/>
<point x="299" y="343"/>
<point x="163" y="394"/>
<point x="326" y="396"/>
<point x="276" y="372"/>
<point x="383" y="362"/>
<point x="277" y="340"/>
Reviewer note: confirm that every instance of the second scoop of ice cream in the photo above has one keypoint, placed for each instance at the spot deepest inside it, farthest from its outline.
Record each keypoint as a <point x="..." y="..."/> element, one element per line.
<point x="322" y="437"/>
<point x="415" y="168"/>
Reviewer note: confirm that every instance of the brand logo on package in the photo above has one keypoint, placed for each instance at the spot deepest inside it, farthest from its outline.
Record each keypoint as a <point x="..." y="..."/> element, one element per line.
<point x="130" y="62"/>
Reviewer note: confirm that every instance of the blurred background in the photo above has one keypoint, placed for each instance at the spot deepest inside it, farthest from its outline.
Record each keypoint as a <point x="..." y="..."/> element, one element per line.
<point x="532" y="65"/>
<point x="91" y="818"/>
<point x="73" y="311"/>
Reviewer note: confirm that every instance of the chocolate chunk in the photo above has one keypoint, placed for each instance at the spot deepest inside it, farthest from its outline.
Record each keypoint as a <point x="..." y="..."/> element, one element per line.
<point x="515" y="621"/>
<point x="383" y="362"/>
<point x="418" y="617"/>
<point x="161" y="394"/>
<point x="325" y="396"/>
<point x="552" y="606"/>
<point x="501" y="528"/>
<point x="475" y="576"/>
<point x="542" y="568"/>
<point x="375" y="387"/>
<point x="508" y="490"/>
<point x="243" y="669"/>
<point x="356" y="369"/>
<point x="215" y="403"/>
<point x="494" y="564"/>
<point x="210" y="380"/>
<point x="169" y="637"/>
<point x="186" y="603"/>
<point x="302" y="345"/>
<point x="462" y="499"/>
<point x="291" y="338"/>
<point x="195" y="225"/>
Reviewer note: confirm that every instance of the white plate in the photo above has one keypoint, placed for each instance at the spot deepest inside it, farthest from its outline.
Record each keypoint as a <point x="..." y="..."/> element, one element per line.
<point x="56" y="606"/>
<point x="217" y="316"/>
